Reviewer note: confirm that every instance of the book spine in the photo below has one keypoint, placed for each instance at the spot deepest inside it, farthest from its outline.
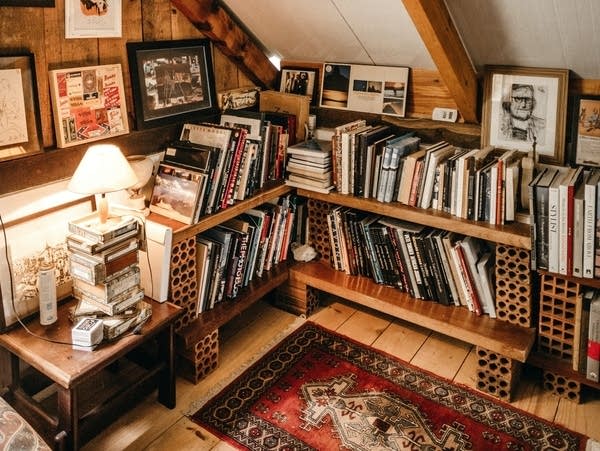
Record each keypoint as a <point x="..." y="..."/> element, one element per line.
<point x="589" y="230"/>
<point x="542" y="227"/>
<point x="553" y="229"/>
<point x="577" y="269"/>
<point x="419" y="287"/>
<point x="467" y="279"/>
<point x="593" y="346"/>
<point x="416" y="181"/>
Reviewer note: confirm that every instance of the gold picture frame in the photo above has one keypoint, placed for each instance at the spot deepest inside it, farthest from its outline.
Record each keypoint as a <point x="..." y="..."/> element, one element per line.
<point x="524" y="106"/>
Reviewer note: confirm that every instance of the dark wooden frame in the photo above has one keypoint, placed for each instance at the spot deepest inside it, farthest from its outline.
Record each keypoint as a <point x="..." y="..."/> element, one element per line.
<point x="582" y="129"/>
<point x="26" y="63"/>
<point x="149" y="116"/>
<point x="64" y="290"/>
<point x="313" y="73"/>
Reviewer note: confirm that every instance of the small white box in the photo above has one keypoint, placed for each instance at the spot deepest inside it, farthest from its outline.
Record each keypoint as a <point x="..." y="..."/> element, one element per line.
<point x="87" y="332"/>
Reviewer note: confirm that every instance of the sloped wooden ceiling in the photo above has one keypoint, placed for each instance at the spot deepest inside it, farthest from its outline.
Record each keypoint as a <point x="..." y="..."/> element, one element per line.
<point x="430" y="17"/>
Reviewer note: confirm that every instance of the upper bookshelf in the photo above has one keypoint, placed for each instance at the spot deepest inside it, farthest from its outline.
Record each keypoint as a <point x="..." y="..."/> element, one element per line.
<point x="514" y="234"/>
<point x="183" y="231"/>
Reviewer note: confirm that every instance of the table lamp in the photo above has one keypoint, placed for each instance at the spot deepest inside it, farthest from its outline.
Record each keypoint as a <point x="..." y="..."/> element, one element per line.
<point x="103" y="169"/>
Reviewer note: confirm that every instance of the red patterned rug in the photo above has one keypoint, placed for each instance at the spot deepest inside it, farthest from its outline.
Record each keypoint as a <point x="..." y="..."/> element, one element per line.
<point x="319" y="390"/>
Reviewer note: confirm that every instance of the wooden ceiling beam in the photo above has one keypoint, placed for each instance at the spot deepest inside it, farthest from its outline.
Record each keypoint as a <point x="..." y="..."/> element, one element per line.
<point x="434" y="24"/>
<point x="217" y="25"/>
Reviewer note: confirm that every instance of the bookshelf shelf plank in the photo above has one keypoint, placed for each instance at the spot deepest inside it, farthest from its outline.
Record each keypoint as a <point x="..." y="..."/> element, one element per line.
<point x="183" y="231"/>
<point x="561" y="367"/>
<point x="584" y="281"/>
<point x="224" y="311"/>
<point x="514" y="234"/>
<point x="509" y="340"/>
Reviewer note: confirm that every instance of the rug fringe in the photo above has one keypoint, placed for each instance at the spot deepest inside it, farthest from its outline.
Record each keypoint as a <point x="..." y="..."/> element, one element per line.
<point x="592" y="445"/>
<point x="197" y="404"/>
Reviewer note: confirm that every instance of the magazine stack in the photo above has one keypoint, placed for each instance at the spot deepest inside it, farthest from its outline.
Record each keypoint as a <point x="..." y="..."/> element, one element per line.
<point x="105" y="272"/>
<point x="309" y="165"/>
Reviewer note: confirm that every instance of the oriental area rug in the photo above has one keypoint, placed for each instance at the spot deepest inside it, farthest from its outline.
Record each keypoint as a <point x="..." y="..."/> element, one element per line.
<point x="317" y="390"/>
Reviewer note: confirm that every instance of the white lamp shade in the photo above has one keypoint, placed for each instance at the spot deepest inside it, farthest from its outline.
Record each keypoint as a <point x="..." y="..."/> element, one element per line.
<point x="103" y="169"/>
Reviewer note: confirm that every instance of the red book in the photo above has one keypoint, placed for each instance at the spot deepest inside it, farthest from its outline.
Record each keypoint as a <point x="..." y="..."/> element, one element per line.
<point x="467" y="277"/>
<point x="575" y="181"/>
<point x="232" y="177"/>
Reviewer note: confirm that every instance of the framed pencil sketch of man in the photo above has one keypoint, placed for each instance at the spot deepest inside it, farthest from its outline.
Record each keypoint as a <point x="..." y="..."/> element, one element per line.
<point x="525" y="109"/>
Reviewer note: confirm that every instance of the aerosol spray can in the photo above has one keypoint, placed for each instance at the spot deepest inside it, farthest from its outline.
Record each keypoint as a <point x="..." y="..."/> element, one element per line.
<point x="47" y="291"/>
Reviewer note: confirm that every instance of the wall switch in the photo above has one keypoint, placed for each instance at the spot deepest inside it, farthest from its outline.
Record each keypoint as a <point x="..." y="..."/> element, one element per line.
<point x="444" y="114"/>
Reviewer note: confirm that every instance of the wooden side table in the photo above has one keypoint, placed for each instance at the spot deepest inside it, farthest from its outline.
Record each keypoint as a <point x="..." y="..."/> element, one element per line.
<point x="70" y="421"/>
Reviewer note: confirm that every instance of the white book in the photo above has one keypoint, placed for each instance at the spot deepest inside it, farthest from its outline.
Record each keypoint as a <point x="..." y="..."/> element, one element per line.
<point x="578" y="208"/>
<point x="589" y="228"/>
<point x="384" y="173"/>
<point x="553" y="227"/>
<point x="436" y="155"/>
<point x="485" y="270"/>
<point x="512" y="183"/>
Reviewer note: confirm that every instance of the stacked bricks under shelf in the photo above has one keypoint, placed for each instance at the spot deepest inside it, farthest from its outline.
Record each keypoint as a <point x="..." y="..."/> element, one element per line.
<point x="497" y="375"/>
<point x="200" y="359"/>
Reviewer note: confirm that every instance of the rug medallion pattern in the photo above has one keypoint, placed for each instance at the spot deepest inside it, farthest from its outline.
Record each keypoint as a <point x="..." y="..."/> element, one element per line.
<point x="319" y="390"/>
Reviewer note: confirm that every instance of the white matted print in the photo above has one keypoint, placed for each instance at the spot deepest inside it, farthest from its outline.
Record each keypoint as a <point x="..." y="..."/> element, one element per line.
<point x="93" y="19"/>
<point x="370" y="89"/>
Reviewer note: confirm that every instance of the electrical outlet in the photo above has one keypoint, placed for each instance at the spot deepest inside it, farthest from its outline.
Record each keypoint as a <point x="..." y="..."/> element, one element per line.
<point x="444" y="114"/>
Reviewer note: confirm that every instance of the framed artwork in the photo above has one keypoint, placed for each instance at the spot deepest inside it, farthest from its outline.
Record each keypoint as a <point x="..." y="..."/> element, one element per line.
<point x="93" y="19"/>
<point x="172" y="81"/>
<point x="31" y="241"/>
<point x="20" y="127"/>
<point x="41" y="3"/>
<point x="297" y="80"/>
<point x="586" y="130"/>
<point x="88" y="104"/>
<point x="370" y="89"/>
<point x="524" y="106"/>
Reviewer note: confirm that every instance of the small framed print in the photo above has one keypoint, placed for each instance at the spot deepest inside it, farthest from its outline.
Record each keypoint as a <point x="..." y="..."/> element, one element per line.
<point x="20" y="128"/>
<point x="93" y="19"/>
<point x="524" y="106"/>
<point x="172" y="81"/>
<point x="303" y="81"/>
<point x="88" y="104"/>
<point x="586" y="130"/>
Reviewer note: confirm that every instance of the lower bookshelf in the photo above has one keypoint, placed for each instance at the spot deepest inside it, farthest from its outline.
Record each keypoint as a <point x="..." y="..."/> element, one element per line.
<point x="502" y="337"/>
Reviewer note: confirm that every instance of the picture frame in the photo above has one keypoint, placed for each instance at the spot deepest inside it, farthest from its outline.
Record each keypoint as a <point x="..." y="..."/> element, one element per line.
<point x="369" y="89"/>
<point x="523" y="105"/>
<point x="88" y="104"/>
<point x="93" y="19"/>
<point x="172" y="81"/>
<point x="20" y="130"/>
<point x="29" y="242"/>
<point x="585" y="131"/>
<point x="300" y="80"/>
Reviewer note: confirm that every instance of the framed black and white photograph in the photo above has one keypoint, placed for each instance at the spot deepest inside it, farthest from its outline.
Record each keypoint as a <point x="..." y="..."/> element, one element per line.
<point x="585" y="132"/>
<point x="20" y="127"/>
<point x="370" y="89"/>
<point x="297" y="80"/>
<point x="172" y="81"/>
<point x="524" y="108"/>
<point x="93" y="19"/>
<point x="31" y="241"/>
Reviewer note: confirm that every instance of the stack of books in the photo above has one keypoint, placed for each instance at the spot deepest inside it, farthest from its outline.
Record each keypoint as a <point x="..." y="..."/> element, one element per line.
<point x="309" y="165"/>
<point x="105" y="272"/>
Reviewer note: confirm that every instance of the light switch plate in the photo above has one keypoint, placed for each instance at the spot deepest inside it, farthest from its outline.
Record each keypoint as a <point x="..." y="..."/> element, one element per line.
<point x="444" y="114"/>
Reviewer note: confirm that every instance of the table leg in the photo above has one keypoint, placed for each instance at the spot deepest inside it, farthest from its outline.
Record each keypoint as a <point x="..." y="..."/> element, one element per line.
<point x="68" y="416"/>
<point x="166" y="383"/>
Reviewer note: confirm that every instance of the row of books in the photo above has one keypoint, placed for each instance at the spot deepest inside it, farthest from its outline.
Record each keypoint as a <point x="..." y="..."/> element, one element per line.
<point x="565" y="221"/>
<point x="309" y="165"/>
<point x="213" y="165"/>
<point x="427" y="263"/>
<point x="230" y="255"/>
<point x="586" y="346"/>
<point x="105" y="272"/>
<point x="477" y="184"/>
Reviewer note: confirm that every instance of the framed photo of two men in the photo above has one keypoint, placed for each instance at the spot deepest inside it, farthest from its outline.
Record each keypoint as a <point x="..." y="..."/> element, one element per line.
<point x="525" y="108"/>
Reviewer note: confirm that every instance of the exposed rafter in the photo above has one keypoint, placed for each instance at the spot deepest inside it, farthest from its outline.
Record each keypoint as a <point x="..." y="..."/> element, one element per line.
<point x="434" y="24"/>
<point x="217" y="25"/>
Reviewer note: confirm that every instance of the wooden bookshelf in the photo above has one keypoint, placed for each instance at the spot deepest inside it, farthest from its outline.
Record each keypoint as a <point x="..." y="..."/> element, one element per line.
<point x="183" y="231"/>
<point x="584" y="281"/>
<point x="560" y="366"/>
<point x="225" y="310"/>
<point x="504" y="338"/>
<point x="513" y="234"/>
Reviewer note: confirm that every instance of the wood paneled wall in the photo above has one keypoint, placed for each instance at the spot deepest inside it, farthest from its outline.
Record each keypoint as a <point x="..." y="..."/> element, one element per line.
<point x="42" y="30"/>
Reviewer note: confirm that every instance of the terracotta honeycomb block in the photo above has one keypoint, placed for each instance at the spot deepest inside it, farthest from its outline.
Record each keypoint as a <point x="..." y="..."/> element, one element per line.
<point x="514" y="282"/>
<point x="562" y="386"/>
<point x="319" y="232"/>
<point x="183" y="279"/>
<point x="497" y="375"/>
<point x="556" y="326"/>
<point x="199" y="360"/>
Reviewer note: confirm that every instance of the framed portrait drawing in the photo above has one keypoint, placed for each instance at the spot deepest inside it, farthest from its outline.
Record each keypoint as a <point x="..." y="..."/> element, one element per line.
<point x="88" y="104"/>
<point x="585" y="133"/>
<point x="172" y="81"/>
<point x="20" y="128"/>
<point x="32" y="241"/>
<point x="524" y="106"/>
<point x="297" y="80"/>
<point x="93" y="19"/>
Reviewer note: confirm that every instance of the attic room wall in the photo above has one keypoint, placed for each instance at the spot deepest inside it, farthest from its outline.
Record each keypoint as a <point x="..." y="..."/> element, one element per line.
<point x="41" y="31"/>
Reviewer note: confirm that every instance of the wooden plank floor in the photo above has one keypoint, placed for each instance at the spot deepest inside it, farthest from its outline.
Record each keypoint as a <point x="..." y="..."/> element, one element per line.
<point x="150" y="426"/>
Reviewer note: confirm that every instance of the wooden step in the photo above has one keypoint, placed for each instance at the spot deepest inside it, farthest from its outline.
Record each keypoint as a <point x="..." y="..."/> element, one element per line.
<point x="504" y="338"/>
